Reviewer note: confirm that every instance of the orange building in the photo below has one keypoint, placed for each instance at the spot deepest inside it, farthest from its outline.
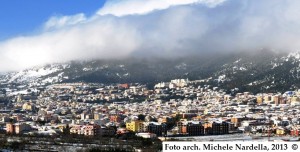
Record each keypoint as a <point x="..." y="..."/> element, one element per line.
<point x="191" y="128"/>
<point x="237" y="121"/>
<point x="17" y="128"/>
<point x="115" y="118"/>
<point x="125" y="85"/>
<point x="10" y="128"/>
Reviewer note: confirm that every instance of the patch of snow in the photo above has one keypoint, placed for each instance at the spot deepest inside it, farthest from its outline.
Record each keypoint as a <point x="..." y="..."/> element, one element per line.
<point x="243" y="69"/>
<point x="296" y="55"/>
<point x="33" y="74"/>
<point x="221" y="78"/>
<point x="24" y="92"/>
<point x="181" y="66"/>
<point x="237" y="61"/>
<point x="50" y="80"/>
<point x="41" y="72"/>
<point x="87" y="69"/>
<point x="104" y="66"/>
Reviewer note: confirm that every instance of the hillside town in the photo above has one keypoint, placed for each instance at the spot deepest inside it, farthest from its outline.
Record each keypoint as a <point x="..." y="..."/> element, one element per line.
<point x="178" y="108"/>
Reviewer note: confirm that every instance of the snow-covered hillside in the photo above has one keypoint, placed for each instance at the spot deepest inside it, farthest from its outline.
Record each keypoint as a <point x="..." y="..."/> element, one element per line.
<point x="51" y="73"/>
<point x="263" y="70"/>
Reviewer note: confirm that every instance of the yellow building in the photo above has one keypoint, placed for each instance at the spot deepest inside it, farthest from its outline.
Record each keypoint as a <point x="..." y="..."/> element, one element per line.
<point x="61" y="127"/>
<point x="97" y="116"/>
<point x="136" y="126"/>
<point x="267" y="98"/>
<point x="295" y="100"/>
<point x="205" y="112"/>
<point x="280" y="131"/>
<point x="259" y="99"/>
<point x="27" y="106"/>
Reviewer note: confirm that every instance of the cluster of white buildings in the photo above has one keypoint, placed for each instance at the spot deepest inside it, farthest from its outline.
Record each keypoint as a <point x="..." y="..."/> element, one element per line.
<point x="98" y="109"/>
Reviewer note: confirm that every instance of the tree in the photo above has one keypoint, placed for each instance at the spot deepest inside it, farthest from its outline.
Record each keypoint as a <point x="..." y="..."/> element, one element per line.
<point x="3" y="91"/>
<point x="141" y="117"/>
<point x="66" y="130"/>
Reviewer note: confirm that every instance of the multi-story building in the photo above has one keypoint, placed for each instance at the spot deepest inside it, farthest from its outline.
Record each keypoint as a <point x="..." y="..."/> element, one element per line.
<point x="136" y="126"/>
<point x="10" y="128"/>
<point x="157" y="128"/>
<point x="17" y="128"/>
<point x="21" y="127"/>
<point x="237" y="121"/>
<point x="115" y="118"/>
<point x="191" y="128"/>
<point x="88" y="130"/>
<point x="91" y="130"/>
<point x="216" y="128"/>
<point x="194" y="129"/>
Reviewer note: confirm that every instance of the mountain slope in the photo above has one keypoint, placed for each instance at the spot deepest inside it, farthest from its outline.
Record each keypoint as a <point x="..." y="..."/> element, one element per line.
<point x="260" y="71"/>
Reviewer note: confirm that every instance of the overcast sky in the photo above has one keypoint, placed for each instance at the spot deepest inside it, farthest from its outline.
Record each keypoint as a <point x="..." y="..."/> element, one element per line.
<point x="169" y="28"/>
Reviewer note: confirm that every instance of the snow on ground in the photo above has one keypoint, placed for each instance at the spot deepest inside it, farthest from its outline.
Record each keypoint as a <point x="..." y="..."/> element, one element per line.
<point x="34" y="73"/>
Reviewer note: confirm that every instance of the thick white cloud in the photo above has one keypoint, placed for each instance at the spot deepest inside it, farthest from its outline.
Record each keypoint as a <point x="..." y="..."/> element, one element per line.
<point x="99" y="39"/>
<point x="130" y="7"/>
<point x="158" y="28"/>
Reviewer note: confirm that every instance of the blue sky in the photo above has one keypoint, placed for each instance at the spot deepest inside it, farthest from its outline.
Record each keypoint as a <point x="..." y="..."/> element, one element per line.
<point x="22" y="17"/>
